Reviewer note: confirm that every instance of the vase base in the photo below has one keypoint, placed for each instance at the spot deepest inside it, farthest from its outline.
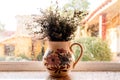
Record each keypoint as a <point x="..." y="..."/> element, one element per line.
<point x="63" y="77"/>
<point x="58" y="76"/>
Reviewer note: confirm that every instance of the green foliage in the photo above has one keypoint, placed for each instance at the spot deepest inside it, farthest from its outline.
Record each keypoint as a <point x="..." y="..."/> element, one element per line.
<point x="93" y="29"/>
<point x="77" y="5"/>
<point x="23" y="56"/>
<point x="95" y="49"/>
<point x="40" y="55"/>
<point x="78" y="8"/>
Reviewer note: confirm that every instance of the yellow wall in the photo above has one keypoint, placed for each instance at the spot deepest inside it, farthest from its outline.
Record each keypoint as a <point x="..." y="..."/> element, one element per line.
<point x="1" y="50"/>
<point x="114" y="22"/>
<point x="37" y="47"/>
<point x="23" y="46"/>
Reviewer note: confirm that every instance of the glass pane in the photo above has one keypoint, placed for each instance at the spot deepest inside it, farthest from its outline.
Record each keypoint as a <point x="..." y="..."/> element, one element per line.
<point x="98" y="30"/>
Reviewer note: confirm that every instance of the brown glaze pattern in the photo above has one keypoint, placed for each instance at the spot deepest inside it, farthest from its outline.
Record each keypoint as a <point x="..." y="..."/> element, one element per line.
<point x="58" y="61"/>
<point x="59" y="58"/>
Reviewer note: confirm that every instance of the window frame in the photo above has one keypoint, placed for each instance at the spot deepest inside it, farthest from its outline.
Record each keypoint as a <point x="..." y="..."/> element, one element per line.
<point x="38" y="66"/>
<point x="8" y="49"/>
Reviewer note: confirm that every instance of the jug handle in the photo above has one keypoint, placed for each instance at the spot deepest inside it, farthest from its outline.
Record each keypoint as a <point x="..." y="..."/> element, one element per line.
<point x="81" y="52"/>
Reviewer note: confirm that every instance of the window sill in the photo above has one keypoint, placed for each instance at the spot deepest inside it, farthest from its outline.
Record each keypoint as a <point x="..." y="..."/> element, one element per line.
<point x="72" y="76"/>
<point x="38" y="66"/>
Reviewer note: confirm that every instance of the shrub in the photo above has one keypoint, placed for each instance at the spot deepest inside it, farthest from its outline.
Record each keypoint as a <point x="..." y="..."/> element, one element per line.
<point x="23" y="56"/>
<point x="95" y="49"/>
<point x="40" y="55"/>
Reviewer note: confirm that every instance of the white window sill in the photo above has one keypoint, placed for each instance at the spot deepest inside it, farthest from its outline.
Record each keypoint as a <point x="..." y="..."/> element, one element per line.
<point x="38" y="66"/>
<point x="72" y="76"/>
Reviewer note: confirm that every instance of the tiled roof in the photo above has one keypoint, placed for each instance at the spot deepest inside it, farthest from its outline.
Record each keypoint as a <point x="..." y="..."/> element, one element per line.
<point x="14" y="36"/>
<point x="96" y="10"/>
<point x="5" y="34"/>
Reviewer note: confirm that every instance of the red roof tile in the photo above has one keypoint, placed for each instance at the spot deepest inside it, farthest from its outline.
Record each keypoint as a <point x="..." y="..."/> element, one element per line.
<point x="7" y="33"/>
<point x="95" y="11"/>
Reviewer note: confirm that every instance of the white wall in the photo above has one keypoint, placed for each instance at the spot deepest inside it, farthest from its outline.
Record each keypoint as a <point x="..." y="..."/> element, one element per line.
<point x="114" y="39"/>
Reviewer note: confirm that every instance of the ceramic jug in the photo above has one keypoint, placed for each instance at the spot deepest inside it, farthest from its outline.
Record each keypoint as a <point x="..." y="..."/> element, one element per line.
<point x="59" y="58"/>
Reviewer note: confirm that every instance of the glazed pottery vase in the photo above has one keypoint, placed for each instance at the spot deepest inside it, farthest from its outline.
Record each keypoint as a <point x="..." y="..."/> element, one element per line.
<point x="59" y="58"/>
